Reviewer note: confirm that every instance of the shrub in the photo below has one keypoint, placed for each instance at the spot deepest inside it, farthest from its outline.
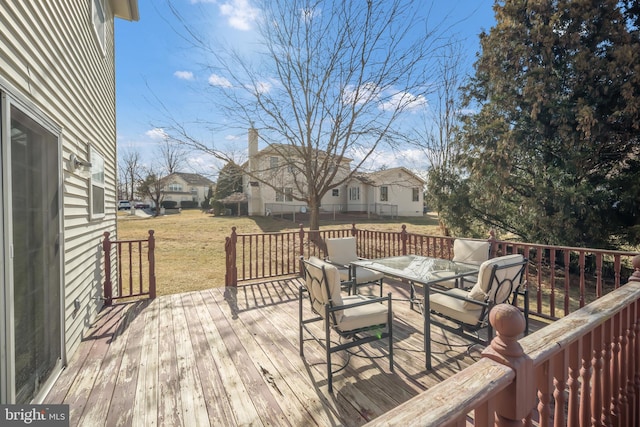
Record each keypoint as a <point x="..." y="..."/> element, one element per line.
<point x="188" y="204"/>
<point x="169" y="204"/>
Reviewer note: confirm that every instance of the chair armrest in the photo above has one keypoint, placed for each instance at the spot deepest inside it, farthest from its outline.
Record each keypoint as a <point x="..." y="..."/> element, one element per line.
<point x="337" y="264"/>
<point x="357" y="304"/>
<point x="485" y="303"/>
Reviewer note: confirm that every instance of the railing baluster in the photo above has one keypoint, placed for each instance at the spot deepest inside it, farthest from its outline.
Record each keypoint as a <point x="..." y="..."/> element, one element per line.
<point x="596" y="385"/>
<point x="585" y="375"/>
<point x="559" y="372"/>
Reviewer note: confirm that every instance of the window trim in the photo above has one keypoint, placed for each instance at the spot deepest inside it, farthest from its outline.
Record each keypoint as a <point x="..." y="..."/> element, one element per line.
<point x="99" y="20"/>
<point x="97" y="163"/>
<point x="384" y="193"/>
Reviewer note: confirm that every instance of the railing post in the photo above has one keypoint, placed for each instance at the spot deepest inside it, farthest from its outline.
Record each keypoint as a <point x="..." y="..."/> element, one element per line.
<point x="231" y="274"/>
<point x="152" y="265"/>
<point x="403" y="239"/>
<point x="517" y="400"/>
<point x="301" y="255"/>
<point x="354" y="231"/>
<point x="108" y="287"/>
<point x="635" y="276"/>
<point x="493" y="244"/>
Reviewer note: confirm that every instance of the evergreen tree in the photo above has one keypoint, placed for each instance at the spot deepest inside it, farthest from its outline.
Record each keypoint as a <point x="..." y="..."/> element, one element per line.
<point x="556" y="127"/>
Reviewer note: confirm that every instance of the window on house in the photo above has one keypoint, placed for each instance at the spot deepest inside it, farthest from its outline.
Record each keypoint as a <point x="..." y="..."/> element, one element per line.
<point x="273" y="162"/>
<point x="354" y="193"/>
<point x="97" y="184"/>
<point x="279" y="194"/>
<point x="416" y="195"/>
<point x="194" y="190"/>
<point x="99" y="23"/>
<point x="384" y="194"/>
<point x="288" y="194"/>
<point x="335" y="192"/>
<point x="175" y="187"/>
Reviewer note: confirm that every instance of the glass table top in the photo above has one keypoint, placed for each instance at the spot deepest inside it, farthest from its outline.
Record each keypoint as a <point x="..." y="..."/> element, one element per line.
<point x="419" y="268"/>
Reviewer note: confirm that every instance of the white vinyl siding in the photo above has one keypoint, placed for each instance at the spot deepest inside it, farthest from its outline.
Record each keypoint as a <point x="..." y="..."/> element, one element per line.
<point x="50" y="59"/>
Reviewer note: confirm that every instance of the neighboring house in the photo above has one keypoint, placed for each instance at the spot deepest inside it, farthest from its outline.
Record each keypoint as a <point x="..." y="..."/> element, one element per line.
<point x="392" y="192"/>
<point x="58" y="180"/>
<point x="395" y="191"/>
<point x="182" y="187"/>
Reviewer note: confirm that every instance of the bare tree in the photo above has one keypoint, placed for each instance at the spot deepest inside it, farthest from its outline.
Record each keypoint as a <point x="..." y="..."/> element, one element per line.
<point x="129" y="173"/>
<point x="436" y="136"/>
<point x="332" y="79"/>
<point x="173" y="155"/>
<point x="152" y="187"/>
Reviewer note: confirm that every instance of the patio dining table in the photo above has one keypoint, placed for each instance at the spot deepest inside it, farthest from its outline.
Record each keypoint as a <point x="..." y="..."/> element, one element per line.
<point x="424" y="271"/>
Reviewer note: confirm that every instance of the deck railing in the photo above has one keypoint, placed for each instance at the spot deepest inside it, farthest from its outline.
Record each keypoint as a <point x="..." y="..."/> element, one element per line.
<point x="561" y="279"/>
<point x="135" y="261"/>
<point x="582" y="370"/>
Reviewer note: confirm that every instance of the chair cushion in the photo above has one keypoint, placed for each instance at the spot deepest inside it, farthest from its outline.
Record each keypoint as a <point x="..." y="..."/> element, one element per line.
<point x="341" y="250"/>
<point x="316" y="285"/>
<point x="455" y="308"/>
<point x="470" y="251"/>
<point x="365" y="275"/>
<point x="362" y="316"/>
<point x="480" y="291"/>
<point x="441" y="274"/>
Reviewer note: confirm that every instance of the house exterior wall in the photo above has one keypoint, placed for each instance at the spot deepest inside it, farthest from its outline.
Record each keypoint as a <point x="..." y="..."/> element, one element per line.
<point x="52" y="63"/>
<point x="400" y="185"/>
<point x="188" y="192"/>
<point x="281" y="176"/>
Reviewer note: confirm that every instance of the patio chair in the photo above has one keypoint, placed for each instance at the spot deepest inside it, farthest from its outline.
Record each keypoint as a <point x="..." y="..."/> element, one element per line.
<point x="500" y="280"/>
<point x="470" y="252"/>
<point x="357" y="319"/>
<point x="341" y="252"/>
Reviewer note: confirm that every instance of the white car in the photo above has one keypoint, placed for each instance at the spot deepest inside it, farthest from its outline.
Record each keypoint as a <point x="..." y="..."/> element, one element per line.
<point x="124" y="205"/>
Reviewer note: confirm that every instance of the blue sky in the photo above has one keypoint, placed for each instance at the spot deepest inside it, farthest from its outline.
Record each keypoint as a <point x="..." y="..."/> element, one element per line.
<point x="157" y="70"/>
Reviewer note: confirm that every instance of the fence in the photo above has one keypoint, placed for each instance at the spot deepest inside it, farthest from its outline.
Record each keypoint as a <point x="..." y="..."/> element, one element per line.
<point x="132" y="268"/>
<point x="560" y="279"/>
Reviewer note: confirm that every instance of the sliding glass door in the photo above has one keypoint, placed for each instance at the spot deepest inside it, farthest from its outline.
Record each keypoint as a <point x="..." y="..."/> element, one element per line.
<point x="31" y="234"/>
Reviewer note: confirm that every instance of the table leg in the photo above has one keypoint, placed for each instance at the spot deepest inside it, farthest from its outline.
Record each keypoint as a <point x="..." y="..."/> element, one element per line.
<point x="427" y="327"/>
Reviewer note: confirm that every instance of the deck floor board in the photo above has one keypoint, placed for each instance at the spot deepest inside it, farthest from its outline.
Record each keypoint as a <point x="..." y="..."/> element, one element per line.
<point x="231" y="357"/>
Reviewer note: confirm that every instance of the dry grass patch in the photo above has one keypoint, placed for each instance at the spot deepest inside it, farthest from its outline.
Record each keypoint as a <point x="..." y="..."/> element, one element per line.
<point x="190" y="245"/>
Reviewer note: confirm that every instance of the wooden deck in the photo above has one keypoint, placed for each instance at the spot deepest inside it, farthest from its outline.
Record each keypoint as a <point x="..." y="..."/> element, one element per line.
<point x="209" y="359"/>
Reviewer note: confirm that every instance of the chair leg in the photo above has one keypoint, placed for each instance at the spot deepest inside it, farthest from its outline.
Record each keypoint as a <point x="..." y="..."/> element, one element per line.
<point x="390" y="326"/>
<point x="328" y="349"/>
<point x="301" y="324"/>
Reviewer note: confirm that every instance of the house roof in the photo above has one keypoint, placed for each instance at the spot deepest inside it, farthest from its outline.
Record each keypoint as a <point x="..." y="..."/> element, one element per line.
<point x="192" y="179"/>
<point x="235" y="198"/>
<point x="125" y="9"/>
<point x="380" y="175"/>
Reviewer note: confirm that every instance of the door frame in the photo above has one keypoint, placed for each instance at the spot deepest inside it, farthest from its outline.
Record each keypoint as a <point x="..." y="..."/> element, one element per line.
<point x="11" y="98"/>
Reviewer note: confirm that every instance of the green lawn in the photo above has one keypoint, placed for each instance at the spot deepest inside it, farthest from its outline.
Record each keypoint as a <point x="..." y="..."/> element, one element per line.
<point x="190" y="245"/>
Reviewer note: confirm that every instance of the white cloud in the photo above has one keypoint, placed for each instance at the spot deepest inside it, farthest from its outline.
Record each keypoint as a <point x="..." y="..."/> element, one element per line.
<point x="260" y="87"/>
<point x="216" y="80"/>
<point x="184" y="75"/>
<point x="365" y="93"/>
<point x="263" y="87"/>
<point x="240" y="14"/>
<point x="404" y="101"/>
<point x="157" y="134"/>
